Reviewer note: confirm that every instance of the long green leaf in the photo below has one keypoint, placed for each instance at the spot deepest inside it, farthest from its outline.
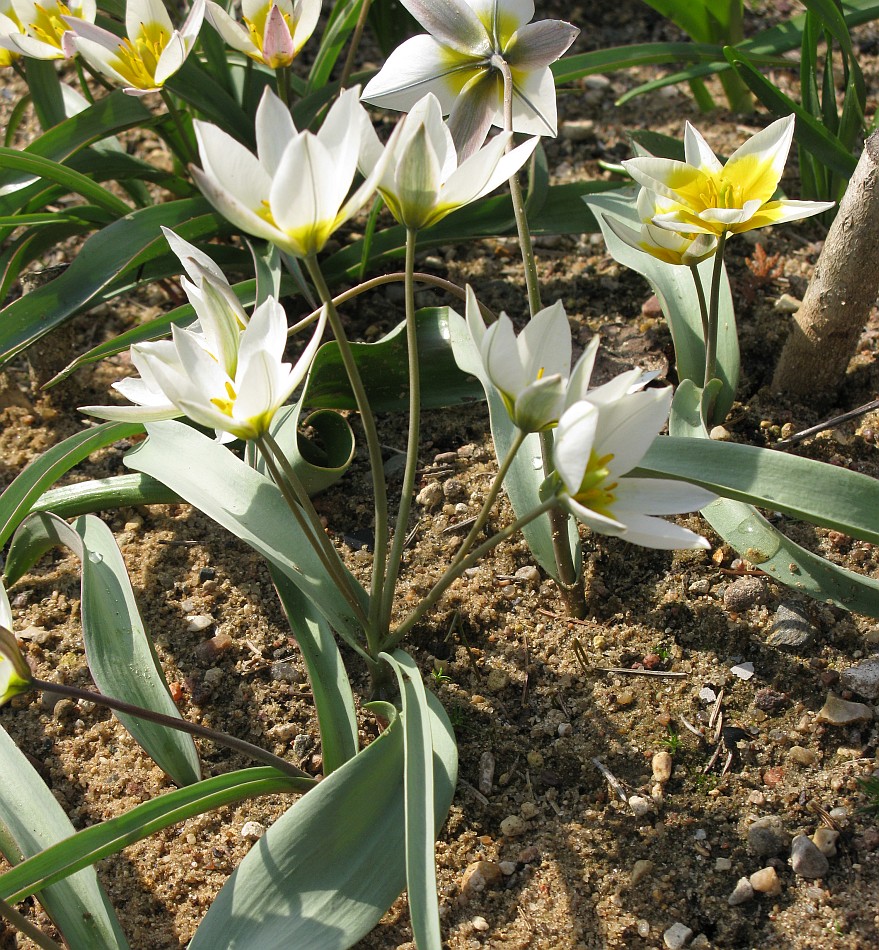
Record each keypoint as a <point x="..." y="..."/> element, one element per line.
<point x="31" y="820"/>
<point x="749" y="533"/>
<point x="333" y="699"/>
<point x="16" y="502"/>
<point x="108" y="257"/>
<point x="341" y="22"/>
<point x="673" y="285"/>
<point x="801" y="488"/>
<point x="105" y="494"/>
<point x="209" y="476"/>
<point x="120" y="654"/>
<point x="99" y="841"/>
<point x="323" y="875"/>
<point x="418" y="792"/>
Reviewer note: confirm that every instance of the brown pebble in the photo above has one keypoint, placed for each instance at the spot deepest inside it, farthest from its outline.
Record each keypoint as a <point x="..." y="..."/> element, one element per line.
<point x="478" y="876"/>
<point x="766" y="881"/>
<point x="662" y="765"/>
<point x="773" y="776"/>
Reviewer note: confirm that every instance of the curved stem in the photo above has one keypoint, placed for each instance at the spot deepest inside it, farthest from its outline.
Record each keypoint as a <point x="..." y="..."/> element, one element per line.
<point x="188" y="156"/>
<point x="290" y="486"/>
<point x="373" y="446"/>
<point x="355" y="43"/>
<point x="395" y="278"/>
<point x="181" y="725"/>
<point x="443" y="584"/>
<point x="396" y="555"/>
<point x="488" y="503"/>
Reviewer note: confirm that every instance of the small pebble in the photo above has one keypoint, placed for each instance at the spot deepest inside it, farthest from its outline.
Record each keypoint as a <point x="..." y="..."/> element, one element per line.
<point x="662" y="765"/>
<point x="578" y="130"/>
<point x="512" y="826"/>
<point x="787" y="304"/>
<point x="723" y="864"/>
<point x="806" y="858"/>
<point x="497" y="680"/>
<point x="744" y="593"/>
<point x="65" y="709"/>
<point x="677" y="936"/>
<point x="507" y="868"/>
<point x="825" y="840"/>
<point x="770" y="700"/>
<point x="742" y="893"/>
<point x="719" y="434"/>
<point x="744" y="671"/>
<point x="863" y="678"/>
<point x="625" y="697"/>
<point x="700" y="942"/>
<point x="700" y="586"/>
<point x="842" y="712"/>
<point x="766" y="881"/>
<point x="430" y="496"/>
<point x="802" y="756"/>
<point x="528" y="810"/>
<point x="643" y="928"/>
<point x="530" y="575"/>
<point x="252" y="830"/>
<point x="767" y="836"/>
<point x="640" y="870"/>
<point x="478" y="876"/>
<point x="198" y="622"/>
<point x="486" y="772"/>
<point x="38" y="635"/>
<point x="640" y="805"/>
<point x="791" y="629"/>
<point x="480" y="924"/>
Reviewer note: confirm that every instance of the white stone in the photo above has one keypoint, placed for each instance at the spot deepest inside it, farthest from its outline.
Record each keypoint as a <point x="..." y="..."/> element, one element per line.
<point x="677" y="936"/>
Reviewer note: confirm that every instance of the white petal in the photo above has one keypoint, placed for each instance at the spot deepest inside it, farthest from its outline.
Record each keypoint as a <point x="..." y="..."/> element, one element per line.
<point x="475" y="323"/>
<point x="232" y="167"/>
<point x="574" y="440"/>
<point x="538" y="44"/>
<point x="534" y="104"/>
<point x="234" y="210"/>
<point x="545" y="343"/>
<point x="477" y="108"/>
<point x="500" y="354"/>
<point x="661" y="496"/>
<point x="340" y="133"/>
<point x="658" y="533"/>
<point x="697" y="152"/>
<point x="274" y="131"/>
<point x="578" y="384"/>
<point x="140" y="13"/>
<point x="234" y="34"/>
<point x="453" y="23"/>
<point x="756" y="166"/>
<point x="171" y="58"/>
<point x="628" y="427"/>
<point x="188" y="253"/>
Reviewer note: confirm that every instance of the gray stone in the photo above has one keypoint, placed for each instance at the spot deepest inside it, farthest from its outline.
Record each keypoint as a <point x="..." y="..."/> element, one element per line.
<point x="806" y="858"/>
<point x="767" y="837"/>
<point x="863" y="678"/>
<point x="841" y="712"/>
<point x="742" y="893"/>
<point x="791" y="630"/>
<point x="744" y="593"/>
<point x="677" y="936"/>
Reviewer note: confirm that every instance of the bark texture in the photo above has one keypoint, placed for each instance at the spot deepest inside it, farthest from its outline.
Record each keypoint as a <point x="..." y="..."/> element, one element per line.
<point x="842" y="291"/>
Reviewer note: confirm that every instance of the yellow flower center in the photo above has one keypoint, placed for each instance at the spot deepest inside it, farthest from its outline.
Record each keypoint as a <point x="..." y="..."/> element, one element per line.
<point x="257" y="28"/>
<point x="593" y="493"/>
<point x="47" y="24"/>
<point x="137" y="58"/>
<point x="226" y="405"/>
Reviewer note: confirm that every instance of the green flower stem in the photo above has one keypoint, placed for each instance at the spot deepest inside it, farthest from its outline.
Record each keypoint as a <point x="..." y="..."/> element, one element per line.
<point x="451" y="575"/>
<point x="356" y="36"/>
<point x="396" y="555"/>
<point x="571" y="586"/>
<point x="419" y="278"/>
<point x="489" y="501"/>
<point x="21" y="923"/>
<point x="282" y="81"/>
<point x="373" y="446"/>
<point x="703" y="306"/>
<point x="188" y="156"/>
<point x="300" y="504"/>
<point x="713" y="308"/>
<point x="181" y="725"/>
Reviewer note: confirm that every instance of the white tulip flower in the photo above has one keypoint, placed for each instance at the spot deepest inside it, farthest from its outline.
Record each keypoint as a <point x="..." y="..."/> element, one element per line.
<point x="422" y="180"/>
<point x="596" y="445"/>
<point x="225" y="371"/>
<point x="273" y="31"/>
<point x="711" y="198"/>
<point x="42" y="30"/>
<point x="294" y="191"/>
<point x="460" y="60"/>
<point x="149" y="55"/>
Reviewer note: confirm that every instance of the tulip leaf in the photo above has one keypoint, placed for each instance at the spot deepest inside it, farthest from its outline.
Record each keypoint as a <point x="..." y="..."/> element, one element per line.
<point x="526" y="474"/>
<point x="324" y="874"/>
<point x="341" y="21"/>
<point x="18" y="499"/>
<point x="673" y="286"/>
<point x="31" y="820"/>
<point x="383" y="368"/>
<point x="333" y="699"/>
<point x="105" y="494"/>
<point x="107" y="261"/>
<point x="208" y="476"/>
<point x="759" y="542"/>
<point x="98" y="841"/>
<point x="421" y="824"/>
<point x="120" y="654"/>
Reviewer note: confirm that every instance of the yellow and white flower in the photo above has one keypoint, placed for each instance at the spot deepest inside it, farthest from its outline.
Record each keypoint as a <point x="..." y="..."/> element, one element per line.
<point x="145" y="59"/>
<point x="272" y="32"/>
<point x="711" y="198"/>
<point x="42" y="30"/>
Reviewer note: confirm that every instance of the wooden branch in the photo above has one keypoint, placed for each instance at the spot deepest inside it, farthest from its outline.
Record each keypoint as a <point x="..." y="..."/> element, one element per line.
<point x="842" y="291"/>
